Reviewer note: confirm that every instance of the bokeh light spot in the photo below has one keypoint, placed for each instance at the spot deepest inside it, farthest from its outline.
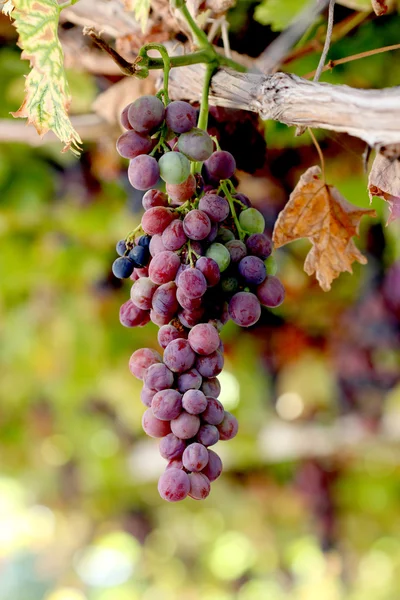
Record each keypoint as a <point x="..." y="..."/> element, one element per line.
<point x="230" y="390"/>
<point x="289" y="406"/>
<point x="66" y="593"/>
<point x="231" y="556"/>
<point x="104" y="443"/>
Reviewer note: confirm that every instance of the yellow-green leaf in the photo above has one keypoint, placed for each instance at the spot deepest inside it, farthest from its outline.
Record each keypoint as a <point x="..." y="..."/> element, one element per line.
<point x="141" y="10"/>
<point x="47" y="96"/>
<point x="8" y="7"/>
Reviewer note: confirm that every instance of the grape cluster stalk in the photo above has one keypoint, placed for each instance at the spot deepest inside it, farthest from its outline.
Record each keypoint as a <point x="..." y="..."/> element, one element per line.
<point x="198" y="259"/>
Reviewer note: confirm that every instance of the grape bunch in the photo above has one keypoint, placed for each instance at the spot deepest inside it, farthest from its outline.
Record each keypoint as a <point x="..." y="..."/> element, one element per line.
<point x="199" y="258"/>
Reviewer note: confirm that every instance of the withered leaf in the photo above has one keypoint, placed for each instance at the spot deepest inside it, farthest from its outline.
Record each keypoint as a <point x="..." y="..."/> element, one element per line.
<point x="384" y="181"/>
<point x="319" y="212"/>
<point x="380" y="7"/>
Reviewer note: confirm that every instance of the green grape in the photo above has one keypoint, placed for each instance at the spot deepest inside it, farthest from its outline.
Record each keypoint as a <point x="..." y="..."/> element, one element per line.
<point x="251" y="220"/>
<point x="271" y="265"/>
<point x="174" y="167"/>
<point x="220" y="254"/>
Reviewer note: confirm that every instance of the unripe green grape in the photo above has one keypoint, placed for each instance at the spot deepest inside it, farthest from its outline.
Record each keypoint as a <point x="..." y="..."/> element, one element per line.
<point x="174" y="167"/>
<point x="220" y="254"/>
<point x="271" y="265"/>
<point x="252" y="221"/>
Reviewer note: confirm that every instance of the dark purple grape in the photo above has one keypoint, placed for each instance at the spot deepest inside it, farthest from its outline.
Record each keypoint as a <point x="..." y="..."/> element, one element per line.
<point x="171" y="447"/>
<point x="208" y="435"/>
<point x="131" y="144"/>
<point x="141" y="360"/>
<point x="166" y="405"/>
<point x="185" y="426"/>
<point x="204" y="338"/>
<point x="156" y="219"/>
<point x="123" y="267"/>
<point x="228" y="427"/>
<point x="196" y="225"/>
<point x="214" y="413"/>
<point x="166" y="334"/>
<point x="213" y="233"/>
<point x="178" y="356"/>
<point x="158" y="377"/>
<point x="190" y="380"/>
<point x="146" y="396"/>
<point x="210" y="270"/>
<point x="195" y="457"/>
<point x="221" y="165"/>
<point x="229" y="285"/>
<point x="211" y="365"/>
<point x="252" y="269"/>
<point x="121" y="247"/>
<point x="180" y="116"/>
<point x="391" y="287"/>
<point x="164" y="300"/>
<point x="142" y="293"/>
<point x="194" y="402"/>
<point x="211" y="387"/>
<point x="124" y="117"/>
<point x="143" y="172"/>
<point x="216" y="207"/>
<point x="196" y="144"/>
<point x="271" y="292"/>
<point x="192" y="283"/>
<point x="154" y="198"/>
<point x="153" y="426"/>
<point x="244" y="309"/>
<point x="237" y="250"/>
<point x="163" y="267"/>
<point x="174" y="485"/>
<point x="132" y="316"/>
<point x="213" y="469"/>
<point x="144" y="241"/>
<point x="173" y="237"/>
<point x="139" y="255"/>
<point x="259" y="244"/>
<point x="243" y="199"/>
<point x="146" y="114"/>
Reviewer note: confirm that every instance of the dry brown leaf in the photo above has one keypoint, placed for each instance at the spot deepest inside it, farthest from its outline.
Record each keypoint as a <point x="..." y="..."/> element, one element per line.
<point x="319" y="212"/>
<point x="384" y="181"/>
<point x="380" y="7"/>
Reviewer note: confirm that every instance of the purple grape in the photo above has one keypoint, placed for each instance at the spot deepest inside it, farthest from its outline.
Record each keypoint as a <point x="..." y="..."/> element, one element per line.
<point x="237" y="250"/>
<point x="204" y="338"/>
<point x="178" y="356"/>
<point x="220" y="165"/>
<point x="214" y="413"/>
<point x="173" y="236"/>
<point x="166" y="404"/>
<point x="208" y="435"/>
<point x="124" y="117"/>
<point x="121" y="247"/>
<point x="164" y="300"/>
<point x="143" y="172"/>
<point x="175" y="463"/>
<point x="259" y="244"/>
<point x="210" y="270"/>
<point x="194" y="402"/>
<point x="158" y="377"/>
<point x="146" y="114"/>
<point x="142" y="293"/>
<point x="211" y="387"/>
<point x="171" y="447"/>
<point x="196" y="225"/>
<point x="228" y="427"/>
<point x="213" y="469"/>
<point x="199" y="486"/>
<point x="192" y="283"/>
<point x="132" y="316"/>
<point x="271" y="292"/>
<point x="190" y="380"/>
<point x="391" y="287"/>
<point x="163" y="267"/>
<point x="146" y="396"/>
<point x="243" y="199"/>
<point x="185" y="426"/>
<point x="180" y="192"/>
<point x="180" y="116"/>
<point x="174" y="485"/>
<point x="122" y="267"/>
<point x="213" y="233"/>
<point x="154" y="198"/>
<point x="153" y="426"/>
<point x="196" y="144"/>
<point x="130" y="144"/>
<point x="190" y="318"/>
<point x="215" y="207"/>
<point x="156" y="219"/>
<point x="211" y="365"/>
<point x="195" y="457"/>
<point x="244" y="309"/>
<point x="158" y="319"/>
<point x="187" y="303"/>
<point x="141" y="360"/>
<point x="156" y="245"/>
<point x="252" y="269"/>
<point x="167" y="333"/>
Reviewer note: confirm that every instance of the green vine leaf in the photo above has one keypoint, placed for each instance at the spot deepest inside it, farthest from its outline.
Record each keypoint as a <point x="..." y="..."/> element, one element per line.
<point x="47" y="96"/>
<point x="141" y="10"/>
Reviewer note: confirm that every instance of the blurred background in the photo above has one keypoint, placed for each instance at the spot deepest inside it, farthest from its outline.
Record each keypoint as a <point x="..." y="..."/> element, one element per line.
<point x="308" y="506"/>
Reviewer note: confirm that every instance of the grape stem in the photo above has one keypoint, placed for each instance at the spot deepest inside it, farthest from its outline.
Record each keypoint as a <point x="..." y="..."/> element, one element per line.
<point x="130" y="238"/>
<point x="203" y="115"/>
<point x="228" y="196"/>
<point x="166" y="64"/>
